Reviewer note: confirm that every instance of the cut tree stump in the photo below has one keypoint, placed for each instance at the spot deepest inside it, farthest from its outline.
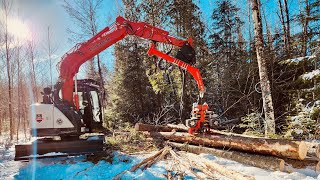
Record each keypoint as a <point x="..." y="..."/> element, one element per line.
<point x="313" y="150"/>
<point x="276" y="147"/>
<point x="261" y="161"/>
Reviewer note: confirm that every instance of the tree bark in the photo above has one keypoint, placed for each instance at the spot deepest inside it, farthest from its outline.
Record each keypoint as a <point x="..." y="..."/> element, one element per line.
<point x="292" y="165"/>
<point x="19" y="91"/>
<point x="275" y="147"/>
<point x="286" y="10"/>
<point x="285" y="40"/>
<point x="305" y="25"/>
<point x="159" y="128"/>
<point x="263" y="71"/>
<point x="265" y="162"/>
<point x="6" y="5"/>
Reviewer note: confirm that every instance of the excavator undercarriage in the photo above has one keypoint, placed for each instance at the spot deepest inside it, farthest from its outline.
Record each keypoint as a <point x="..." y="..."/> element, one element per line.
<point x="50" y="147"/>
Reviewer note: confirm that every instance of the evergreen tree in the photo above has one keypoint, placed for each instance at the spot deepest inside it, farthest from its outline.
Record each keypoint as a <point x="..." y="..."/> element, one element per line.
<point x="185" y="21"/>
<point x="230" y="66"/>
<point x="163" y="76"/>
<point x="131" y="98"/>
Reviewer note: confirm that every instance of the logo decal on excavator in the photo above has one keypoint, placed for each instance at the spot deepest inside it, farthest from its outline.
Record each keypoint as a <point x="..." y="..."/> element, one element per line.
<point x="39" y="117"/>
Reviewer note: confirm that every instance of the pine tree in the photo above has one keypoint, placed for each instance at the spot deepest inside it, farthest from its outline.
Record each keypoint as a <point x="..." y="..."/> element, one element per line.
<point x="230" y="66"/>
<point x="162" y="76"/>
<point x="185" y="20"/>
<point x="131" y="99"/>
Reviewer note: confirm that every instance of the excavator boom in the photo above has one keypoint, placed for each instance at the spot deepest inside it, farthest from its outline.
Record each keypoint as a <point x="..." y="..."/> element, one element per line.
<point x="71" y="61"/>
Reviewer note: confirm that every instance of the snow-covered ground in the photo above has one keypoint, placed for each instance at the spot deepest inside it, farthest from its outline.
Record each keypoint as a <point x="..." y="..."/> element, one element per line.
<point x="79" y="168"/>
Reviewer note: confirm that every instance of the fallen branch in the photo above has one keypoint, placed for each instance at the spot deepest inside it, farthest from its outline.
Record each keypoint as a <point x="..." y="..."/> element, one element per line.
<point x="219" y="168"/>
<point x="146" y="162"/>
<point x="185" y="164"/>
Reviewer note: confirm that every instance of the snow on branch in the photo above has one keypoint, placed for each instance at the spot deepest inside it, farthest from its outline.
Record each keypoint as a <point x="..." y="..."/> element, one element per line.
<point x="311" y="75"/>
<point x="298" y="59"/>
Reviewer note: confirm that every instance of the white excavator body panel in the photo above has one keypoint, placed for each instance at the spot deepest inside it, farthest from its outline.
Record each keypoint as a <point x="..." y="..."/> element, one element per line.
<point x="47" y="116"/>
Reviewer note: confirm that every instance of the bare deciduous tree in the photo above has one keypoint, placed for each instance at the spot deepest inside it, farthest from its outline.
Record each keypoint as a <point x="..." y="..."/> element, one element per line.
<point x="6" y="7"/>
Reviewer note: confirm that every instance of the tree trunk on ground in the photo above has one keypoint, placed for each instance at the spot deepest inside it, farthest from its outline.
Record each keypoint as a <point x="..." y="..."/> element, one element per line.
<point x="159" y="128"/>
<point x="275" y="147"/>
<point x="260" y="161"/>
<point x="180" y="128"/>
<point x="292" y="165"/>
<point x="265" y="162"/>
<point x="263" y="71"/>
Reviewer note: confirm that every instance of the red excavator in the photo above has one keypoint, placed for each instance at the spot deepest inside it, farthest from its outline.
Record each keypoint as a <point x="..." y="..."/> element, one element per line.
<point x="73" y="107"/>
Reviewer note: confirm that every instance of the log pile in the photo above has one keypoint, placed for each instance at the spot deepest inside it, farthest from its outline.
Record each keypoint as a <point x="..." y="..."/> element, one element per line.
<point x="272" y="154"/>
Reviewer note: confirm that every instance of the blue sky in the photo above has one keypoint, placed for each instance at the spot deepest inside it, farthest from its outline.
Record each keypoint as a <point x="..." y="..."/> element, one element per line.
<point x="39" y="14"/>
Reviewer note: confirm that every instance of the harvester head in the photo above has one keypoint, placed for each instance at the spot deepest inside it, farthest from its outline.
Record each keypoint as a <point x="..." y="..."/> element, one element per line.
<point x="201" y="118"/>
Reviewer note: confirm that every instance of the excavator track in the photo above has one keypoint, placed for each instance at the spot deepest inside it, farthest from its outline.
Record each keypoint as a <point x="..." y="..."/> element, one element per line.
<point x="61" y="148"/>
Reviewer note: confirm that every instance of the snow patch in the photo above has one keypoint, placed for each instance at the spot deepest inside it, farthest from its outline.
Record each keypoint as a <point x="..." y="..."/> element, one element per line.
<point x="78" y="167"/>
<point x="310" y="75"/>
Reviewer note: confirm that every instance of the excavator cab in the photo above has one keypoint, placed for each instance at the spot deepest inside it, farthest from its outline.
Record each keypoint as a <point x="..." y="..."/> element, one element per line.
<point x="89" y="104"/>
<point x="54" y="117"/>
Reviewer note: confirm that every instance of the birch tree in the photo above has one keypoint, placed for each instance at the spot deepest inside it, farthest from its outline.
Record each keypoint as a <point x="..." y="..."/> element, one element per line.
<point x="263" y="72"/>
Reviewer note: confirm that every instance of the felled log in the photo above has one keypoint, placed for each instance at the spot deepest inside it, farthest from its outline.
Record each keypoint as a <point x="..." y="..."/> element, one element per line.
<point x="291" y="165"/>
<point x="265" y="162"/>
<point x="260" y="161"/>
<point x="159" y="128"/>
<point x="275" y="147"/>
<point x="178" y="128"/>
